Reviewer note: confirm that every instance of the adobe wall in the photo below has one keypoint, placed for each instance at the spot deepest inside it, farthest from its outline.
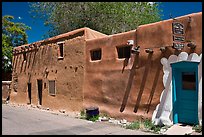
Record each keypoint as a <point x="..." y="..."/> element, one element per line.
<point x="43" y="64"/>
<point x="6" y="89"/>
<point x="131" y="89"/>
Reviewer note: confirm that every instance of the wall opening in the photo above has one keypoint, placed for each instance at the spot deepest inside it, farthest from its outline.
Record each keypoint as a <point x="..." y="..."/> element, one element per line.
<point x="60" y="50"/>
<point x="29" y="93"/>
<point x="95" y="54"/>
<point x="39" y="81"/>
<point x="44" y="85"/>
<point x="124" y="52"/>
<point x="52" y="88"/>
<point x="188" y="81"/>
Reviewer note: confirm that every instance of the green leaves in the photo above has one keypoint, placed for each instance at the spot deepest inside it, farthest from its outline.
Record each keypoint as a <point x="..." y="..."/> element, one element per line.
<point x="105" y="17"/>
<point x="13" y="34"/>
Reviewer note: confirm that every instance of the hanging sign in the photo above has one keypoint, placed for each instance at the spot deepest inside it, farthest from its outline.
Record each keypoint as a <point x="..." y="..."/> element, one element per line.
<point x="178" y="35"/>
<point x="178" y="38"/>
<point x="178" y="46"/>
<point x="178" y="28"/>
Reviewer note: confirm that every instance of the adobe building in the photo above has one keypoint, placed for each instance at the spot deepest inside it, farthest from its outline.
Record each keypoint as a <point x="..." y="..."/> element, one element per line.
<point x="154" y="71"/>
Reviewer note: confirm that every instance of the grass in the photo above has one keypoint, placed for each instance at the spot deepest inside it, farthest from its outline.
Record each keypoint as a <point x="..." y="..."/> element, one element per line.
<point x="84" y="116"/>
<point x="197" y="128"/>
<point x="144" y="125"/>
<point x="134" y="125"/>
<point x="104" y="115"/>
<point x="93" y="118"/>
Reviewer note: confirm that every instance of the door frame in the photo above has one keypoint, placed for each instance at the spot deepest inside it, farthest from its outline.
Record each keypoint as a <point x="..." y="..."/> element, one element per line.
<point x="177" y="68"/>
<point x="29" y="84"/>
<point x="39" y="91"/>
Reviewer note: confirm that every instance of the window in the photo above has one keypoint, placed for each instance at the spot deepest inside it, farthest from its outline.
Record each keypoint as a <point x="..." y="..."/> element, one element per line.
<point x="60" y="50"/>
<point x="52" y="90"/>
<point x="124" y="52"/>
<point x="188" y="81"/>
<point x="95" y="54"/>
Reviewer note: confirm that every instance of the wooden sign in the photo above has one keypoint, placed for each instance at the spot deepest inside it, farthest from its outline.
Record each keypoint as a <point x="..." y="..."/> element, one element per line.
<point x="178" y="46"/>
<point x="178" y="28"/>
<point x="178" y="38"/>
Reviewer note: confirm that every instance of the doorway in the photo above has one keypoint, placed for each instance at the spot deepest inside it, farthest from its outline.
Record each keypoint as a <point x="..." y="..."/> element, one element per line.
<point x="185" y="92"/>
<point x="39" y="81"/>
<point x="29" y="92"/>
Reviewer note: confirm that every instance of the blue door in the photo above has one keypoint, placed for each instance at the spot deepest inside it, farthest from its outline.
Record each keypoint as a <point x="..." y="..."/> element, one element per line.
<point x="185" y="92"/>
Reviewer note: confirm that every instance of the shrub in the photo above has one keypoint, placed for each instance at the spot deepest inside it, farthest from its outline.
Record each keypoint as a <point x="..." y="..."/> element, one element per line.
<point x="82" y="114"/>
<point x="134" y="125"/>
<point x="150" y="126"/>
<point x="93" y="118"/>
<point x="145" y="125"/>
<point x="197" y="128"/>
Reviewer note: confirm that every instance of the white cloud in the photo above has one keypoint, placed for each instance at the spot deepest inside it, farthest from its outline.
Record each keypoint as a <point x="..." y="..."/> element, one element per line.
<point x="19" y="18"/>
<point x="151" y="3"/>
<point x="5" y="57"/>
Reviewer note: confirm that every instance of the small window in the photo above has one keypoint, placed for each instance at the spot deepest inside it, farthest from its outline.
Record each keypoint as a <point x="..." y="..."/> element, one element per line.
<point x="95" y="54"/>
<point x="44" y="85"/>
<point x="60" y="50"/>
<point x="188" y="81"/>
<point x="124" y="52"/>
<point x="52" y="90"/>
<point x="24" y="56"/>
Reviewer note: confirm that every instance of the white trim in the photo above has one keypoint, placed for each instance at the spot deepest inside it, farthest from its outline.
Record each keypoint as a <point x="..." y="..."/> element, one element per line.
<point x="60" y="42"/>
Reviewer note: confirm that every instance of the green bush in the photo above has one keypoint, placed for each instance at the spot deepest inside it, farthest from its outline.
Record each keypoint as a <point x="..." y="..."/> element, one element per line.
<point x="145" y="125"/>
<point x="134" y="125"/>
<point x="82" y="114"/>
<point x="197" y="128"/>
<point x="93" y="118"/>
<point x="150" y="126"/>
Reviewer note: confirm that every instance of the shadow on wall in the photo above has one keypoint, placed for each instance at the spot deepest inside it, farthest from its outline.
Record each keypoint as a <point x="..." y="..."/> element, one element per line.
<point x="156" y="78"/>
<point x="129" y="84"/>
<point x="125" y="63"/>
<point x="144" y="79"/>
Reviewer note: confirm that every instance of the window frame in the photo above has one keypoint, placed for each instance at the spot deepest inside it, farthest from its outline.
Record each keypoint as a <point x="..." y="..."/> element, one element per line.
<point x="122" y="47"/>
<point x="52" y="94"/>
<point x="60" y="49"/>
<point x="92" y="54"/>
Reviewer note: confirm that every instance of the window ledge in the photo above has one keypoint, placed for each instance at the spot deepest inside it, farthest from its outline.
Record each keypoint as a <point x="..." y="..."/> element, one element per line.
<point x="52" y="95"/>
<point x="95" y="60"/>
<point x="60" y="58"/>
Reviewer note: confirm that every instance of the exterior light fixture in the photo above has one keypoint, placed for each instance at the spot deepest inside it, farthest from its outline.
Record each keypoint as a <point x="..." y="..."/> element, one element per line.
<point x="149" y="50"/>
<point x="162" y="49"/>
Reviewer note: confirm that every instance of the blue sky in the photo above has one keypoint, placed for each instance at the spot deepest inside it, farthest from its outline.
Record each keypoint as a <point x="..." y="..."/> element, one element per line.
<point x="20" y="11"/>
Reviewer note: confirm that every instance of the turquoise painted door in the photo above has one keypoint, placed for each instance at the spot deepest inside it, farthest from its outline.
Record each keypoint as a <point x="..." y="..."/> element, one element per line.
<point x="185" y="92"/>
